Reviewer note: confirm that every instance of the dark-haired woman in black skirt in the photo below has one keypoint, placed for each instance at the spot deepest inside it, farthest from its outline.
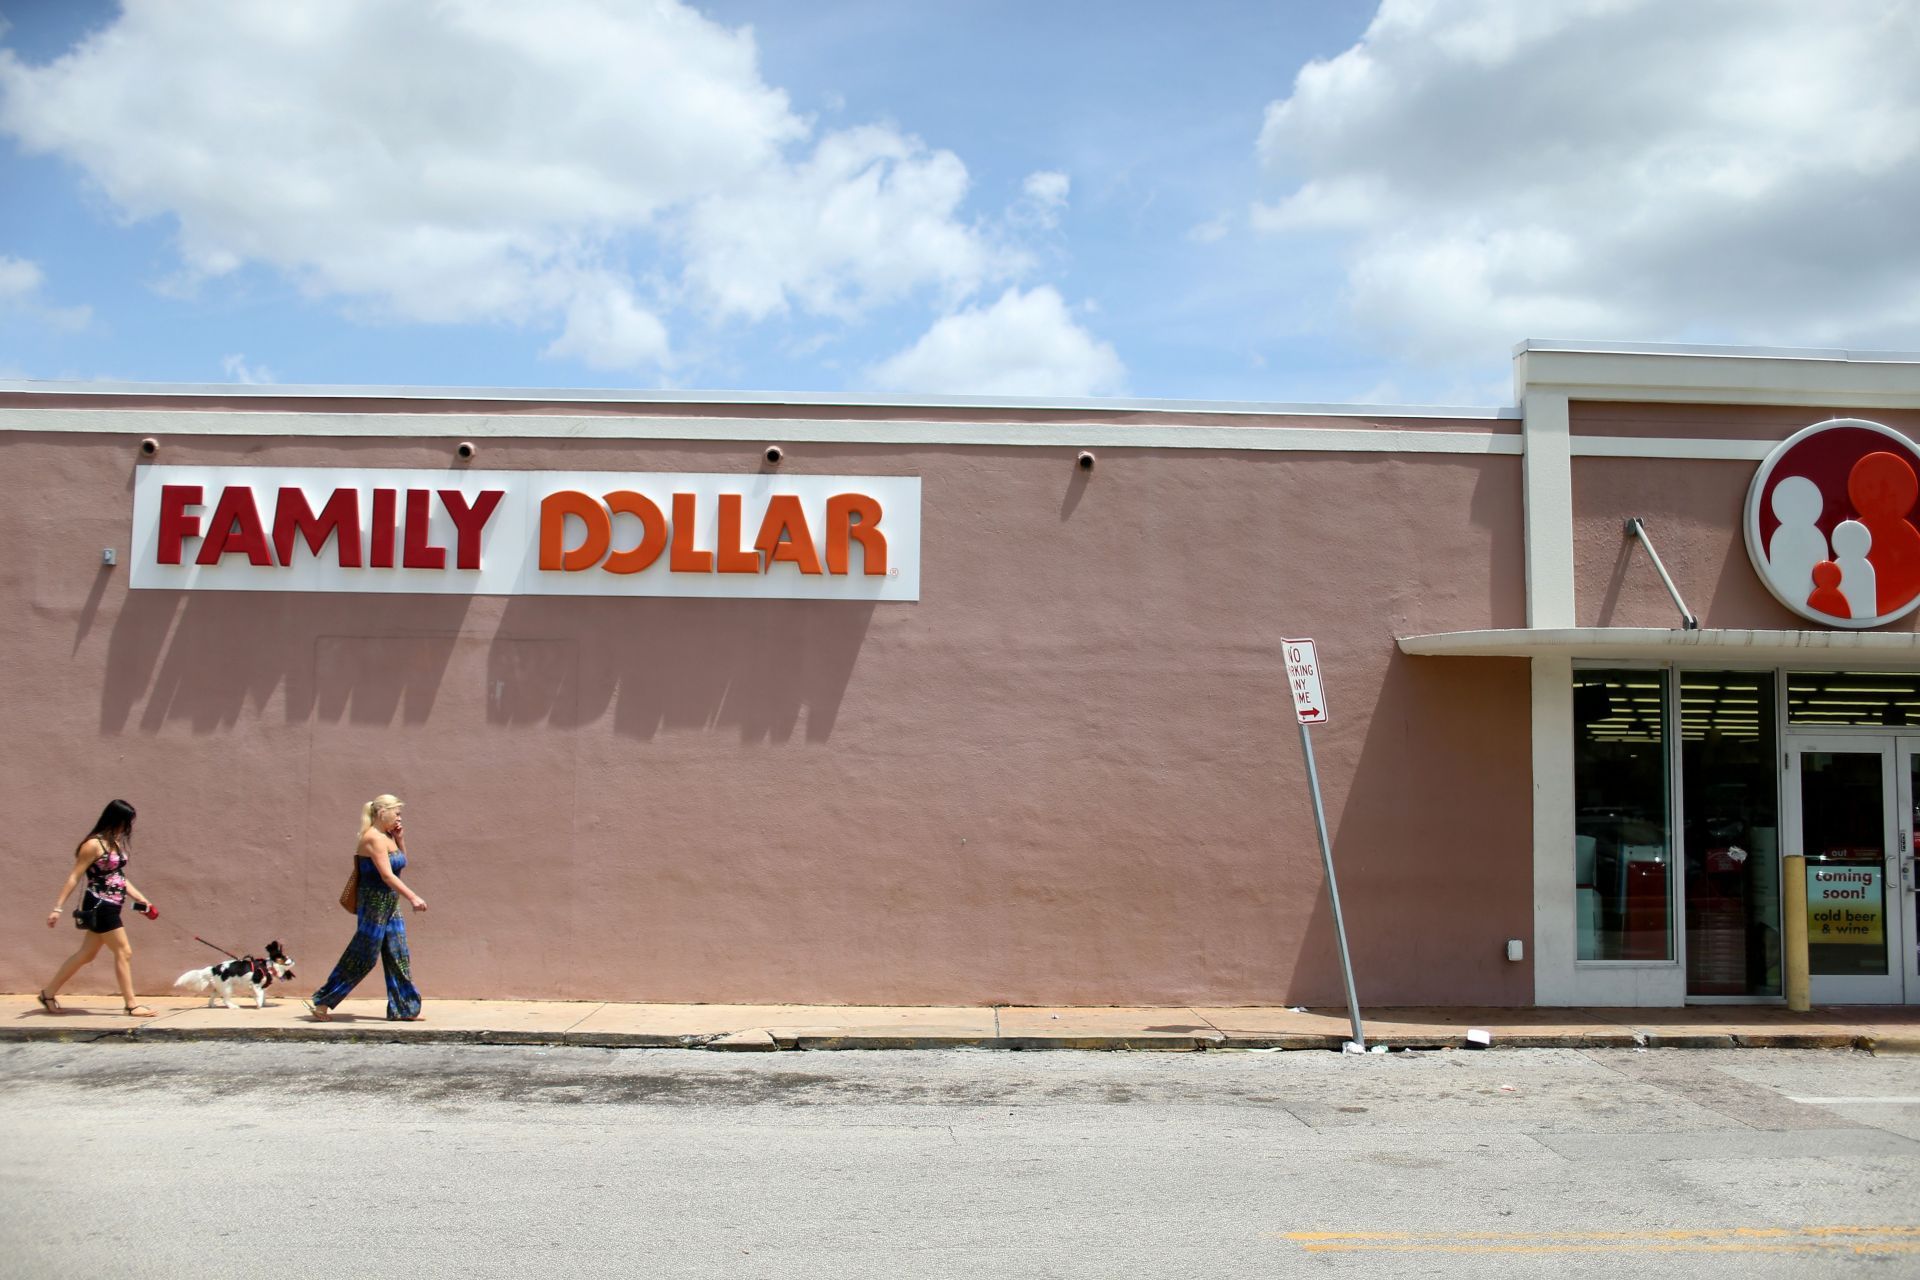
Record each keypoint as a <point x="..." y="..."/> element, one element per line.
<point x="102" y="859"/>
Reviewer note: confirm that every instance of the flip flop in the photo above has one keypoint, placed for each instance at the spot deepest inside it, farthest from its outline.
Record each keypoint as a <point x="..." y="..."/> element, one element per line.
<point x="319" y="1014"/>
<point x="141" y="1011"/>
<point x="50" y="1004"/>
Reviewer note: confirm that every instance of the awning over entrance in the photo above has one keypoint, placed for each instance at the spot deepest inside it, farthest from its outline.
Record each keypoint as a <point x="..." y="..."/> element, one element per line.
<point x="1659" y="644"/>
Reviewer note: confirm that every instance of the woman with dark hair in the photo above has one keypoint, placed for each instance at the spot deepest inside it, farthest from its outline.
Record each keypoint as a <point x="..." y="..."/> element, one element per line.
<point x="102" y="859"/>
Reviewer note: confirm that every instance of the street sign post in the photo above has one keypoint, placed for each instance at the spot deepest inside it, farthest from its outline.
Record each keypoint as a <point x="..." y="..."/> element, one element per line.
<point x="1310" y="708"/>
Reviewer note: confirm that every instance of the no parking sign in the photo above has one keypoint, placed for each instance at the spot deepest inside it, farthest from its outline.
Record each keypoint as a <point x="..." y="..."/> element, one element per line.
<point x="1310" y="708"/>
<point x="1303" y="679"/>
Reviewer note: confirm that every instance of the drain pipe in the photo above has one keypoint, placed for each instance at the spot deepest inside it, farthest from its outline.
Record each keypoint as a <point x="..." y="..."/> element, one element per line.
<point x="1637" y="528"/>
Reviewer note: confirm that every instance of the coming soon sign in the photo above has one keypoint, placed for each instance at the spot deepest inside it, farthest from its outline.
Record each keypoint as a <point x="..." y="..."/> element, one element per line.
<point x="599" y="533"/>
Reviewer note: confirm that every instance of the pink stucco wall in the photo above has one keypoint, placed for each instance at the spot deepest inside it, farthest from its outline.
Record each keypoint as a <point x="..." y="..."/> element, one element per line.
<point x="1067" y="774"/>
<point x="1693" y="509"/>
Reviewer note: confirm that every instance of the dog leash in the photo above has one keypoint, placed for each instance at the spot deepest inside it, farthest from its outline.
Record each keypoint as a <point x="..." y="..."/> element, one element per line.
<point x="197" y="938"/>
<point x="222" y="950"/>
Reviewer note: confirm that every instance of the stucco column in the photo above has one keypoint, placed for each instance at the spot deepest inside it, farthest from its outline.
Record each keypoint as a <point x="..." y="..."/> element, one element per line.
<point x="1547" y="474"/>
<point x="1554" y="940"/>
<point x="1547" y="471"/>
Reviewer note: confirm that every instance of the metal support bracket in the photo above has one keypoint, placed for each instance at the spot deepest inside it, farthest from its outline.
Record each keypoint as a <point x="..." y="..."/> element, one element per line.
<point x="1637" y="528"/>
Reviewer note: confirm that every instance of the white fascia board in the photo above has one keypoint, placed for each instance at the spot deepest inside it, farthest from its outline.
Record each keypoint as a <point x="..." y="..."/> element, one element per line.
<point x="615" y="396"/>
<point x="454" y="426"/>
<point x="1709" y="349"/>
<point x="1659" y="644"/>
<point x="1822" y="379"/>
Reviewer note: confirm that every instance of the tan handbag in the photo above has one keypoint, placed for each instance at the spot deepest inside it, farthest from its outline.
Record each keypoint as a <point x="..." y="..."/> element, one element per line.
<point x="350" y="896"/>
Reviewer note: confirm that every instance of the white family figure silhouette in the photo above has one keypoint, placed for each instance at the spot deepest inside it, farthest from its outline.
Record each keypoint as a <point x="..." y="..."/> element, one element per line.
<point x="1797" y="545"/>
<point x="1851" y="542"/>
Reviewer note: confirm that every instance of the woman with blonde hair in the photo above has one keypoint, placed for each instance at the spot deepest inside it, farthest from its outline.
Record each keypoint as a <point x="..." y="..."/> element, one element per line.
<point x="382" y="932"/>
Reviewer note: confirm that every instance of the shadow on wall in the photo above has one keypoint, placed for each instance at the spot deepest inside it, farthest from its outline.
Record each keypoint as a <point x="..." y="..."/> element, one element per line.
<point x="1617" y="580"/>
<point x="209" y="657"/>
<point x="1432" y="842"/>
<point x="765" y="667"/>
<point x="769" y="668"/>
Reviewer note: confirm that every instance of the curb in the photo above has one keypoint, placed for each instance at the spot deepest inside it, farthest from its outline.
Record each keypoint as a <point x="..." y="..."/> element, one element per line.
<point x="759" y="1040"/>
<point x="1878" y="1045"/>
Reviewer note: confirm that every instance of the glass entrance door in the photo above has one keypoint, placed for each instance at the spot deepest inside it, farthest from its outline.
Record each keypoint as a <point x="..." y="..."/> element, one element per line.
<point x="1907" y="881"/>
<point x="1851" y="811"/>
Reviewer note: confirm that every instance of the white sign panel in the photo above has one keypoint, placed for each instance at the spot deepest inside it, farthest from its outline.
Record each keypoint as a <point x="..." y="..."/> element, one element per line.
<point x="597" y="533"/>
<point x="1303" y="680"/>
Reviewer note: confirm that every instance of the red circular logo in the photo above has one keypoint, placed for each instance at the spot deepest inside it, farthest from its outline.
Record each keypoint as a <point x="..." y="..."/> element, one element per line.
<point x="1830" y="523"/>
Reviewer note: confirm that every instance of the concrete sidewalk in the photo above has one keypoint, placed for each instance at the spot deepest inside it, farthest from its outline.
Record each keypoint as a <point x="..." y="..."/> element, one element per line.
<point x="773" y="1027"/>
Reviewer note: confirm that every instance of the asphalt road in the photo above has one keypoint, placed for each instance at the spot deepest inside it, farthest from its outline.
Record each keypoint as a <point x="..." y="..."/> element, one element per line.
<point x="214" y="1160"/>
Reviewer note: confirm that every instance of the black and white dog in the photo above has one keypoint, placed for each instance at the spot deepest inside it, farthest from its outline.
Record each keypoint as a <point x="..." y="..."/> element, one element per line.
<point x="223" y="982"/>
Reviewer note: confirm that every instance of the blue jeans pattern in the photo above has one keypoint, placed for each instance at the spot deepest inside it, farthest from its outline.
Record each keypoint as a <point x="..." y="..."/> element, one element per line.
<point x="382" y="935"/>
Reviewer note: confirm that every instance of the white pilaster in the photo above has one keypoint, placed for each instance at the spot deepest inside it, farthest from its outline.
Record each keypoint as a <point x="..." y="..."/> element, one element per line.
<point x="1554" y="935"/>
<point x="1547" y="474"/>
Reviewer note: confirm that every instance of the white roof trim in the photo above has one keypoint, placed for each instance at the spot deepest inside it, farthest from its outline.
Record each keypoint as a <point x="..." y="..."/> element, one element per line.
<point x="543" y="426"/>
<point x="641" y="396"/>
<point x="1659" y="644"/>
<point x="1822" y="379"/>
<point x="1723" y="352"/>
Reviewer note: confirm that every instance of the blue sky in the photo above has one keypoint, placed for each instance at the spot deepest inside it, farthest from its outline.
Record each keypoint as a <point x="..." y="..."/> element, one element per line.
<point x="1284" y="201"/>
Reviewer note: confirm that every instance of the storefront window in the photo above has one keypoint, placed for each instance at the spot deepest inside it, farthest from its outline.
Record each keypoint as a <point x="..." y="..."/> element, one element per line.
<point x="1853" y="699"/>
<point x="1730" y="799"/>
<point x="1622" y="858"/>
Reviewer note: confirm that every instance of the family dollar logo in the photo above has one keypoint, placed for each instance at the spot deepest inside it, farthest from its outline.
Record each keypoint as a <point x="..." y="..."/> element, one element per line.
<point x="1829" y="523"/>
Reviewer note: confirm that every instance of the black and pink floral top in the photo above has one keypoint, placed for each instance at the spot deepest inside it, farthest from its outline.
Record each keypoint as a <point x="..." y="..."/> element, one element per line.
<point x="104" y="878"/>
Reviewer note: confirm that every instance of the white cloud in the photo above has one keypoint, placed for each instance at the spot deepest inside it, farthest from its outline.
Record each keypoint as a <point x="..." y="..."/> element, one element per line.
<point x="870" y="216"/>
<point x="1024" y="344"/>
<point x="238" y="370"/>
<point x="1499" y="169"/>
<point x="1212" y="231"/>
<point x="1043" y="198"/>
<point x="20" y="292"/>
<point x="19" y="279"/>
<point x="1047" y="188"/>
<point x="607" y="329"/>
<point x="470" y="161"/>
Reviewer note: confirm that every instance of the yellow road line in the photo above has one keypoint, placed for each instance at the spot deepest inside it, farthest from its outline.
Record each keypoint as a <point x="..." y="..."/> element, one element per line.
<point x="1629" y="1246"/>
<point x="1806" y="1239"/>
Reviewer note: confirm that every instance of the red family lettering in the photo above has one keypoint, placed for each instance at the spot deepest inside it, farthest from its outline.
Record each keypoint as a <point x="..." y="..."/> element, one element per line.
<point x="236" y="526"/>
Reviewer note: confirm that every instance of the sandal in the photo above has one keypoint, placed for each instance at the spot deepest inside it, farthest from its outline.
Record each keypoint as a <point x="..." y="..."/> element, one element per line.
<point x="320" y="1012"/>
<point x="140" y="1011"/>
<point x="50" y="1004"/>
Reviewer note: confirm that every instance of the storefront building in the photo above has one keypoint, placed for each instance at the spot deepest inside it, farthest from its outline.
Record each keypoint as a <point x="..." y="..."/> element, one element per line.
<point x="759" y="699"/>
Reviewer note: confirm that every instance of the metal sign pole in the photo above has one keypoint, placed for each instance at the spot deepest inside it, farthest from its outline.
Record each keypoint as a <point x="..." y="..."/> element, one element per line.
<point x="1333" y="888"/>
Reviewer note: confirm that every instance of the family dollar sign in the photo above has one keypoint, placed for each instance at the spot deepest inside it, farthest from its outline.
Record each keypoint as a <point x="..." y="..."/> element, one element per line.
<point x="1303" y="679"/>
